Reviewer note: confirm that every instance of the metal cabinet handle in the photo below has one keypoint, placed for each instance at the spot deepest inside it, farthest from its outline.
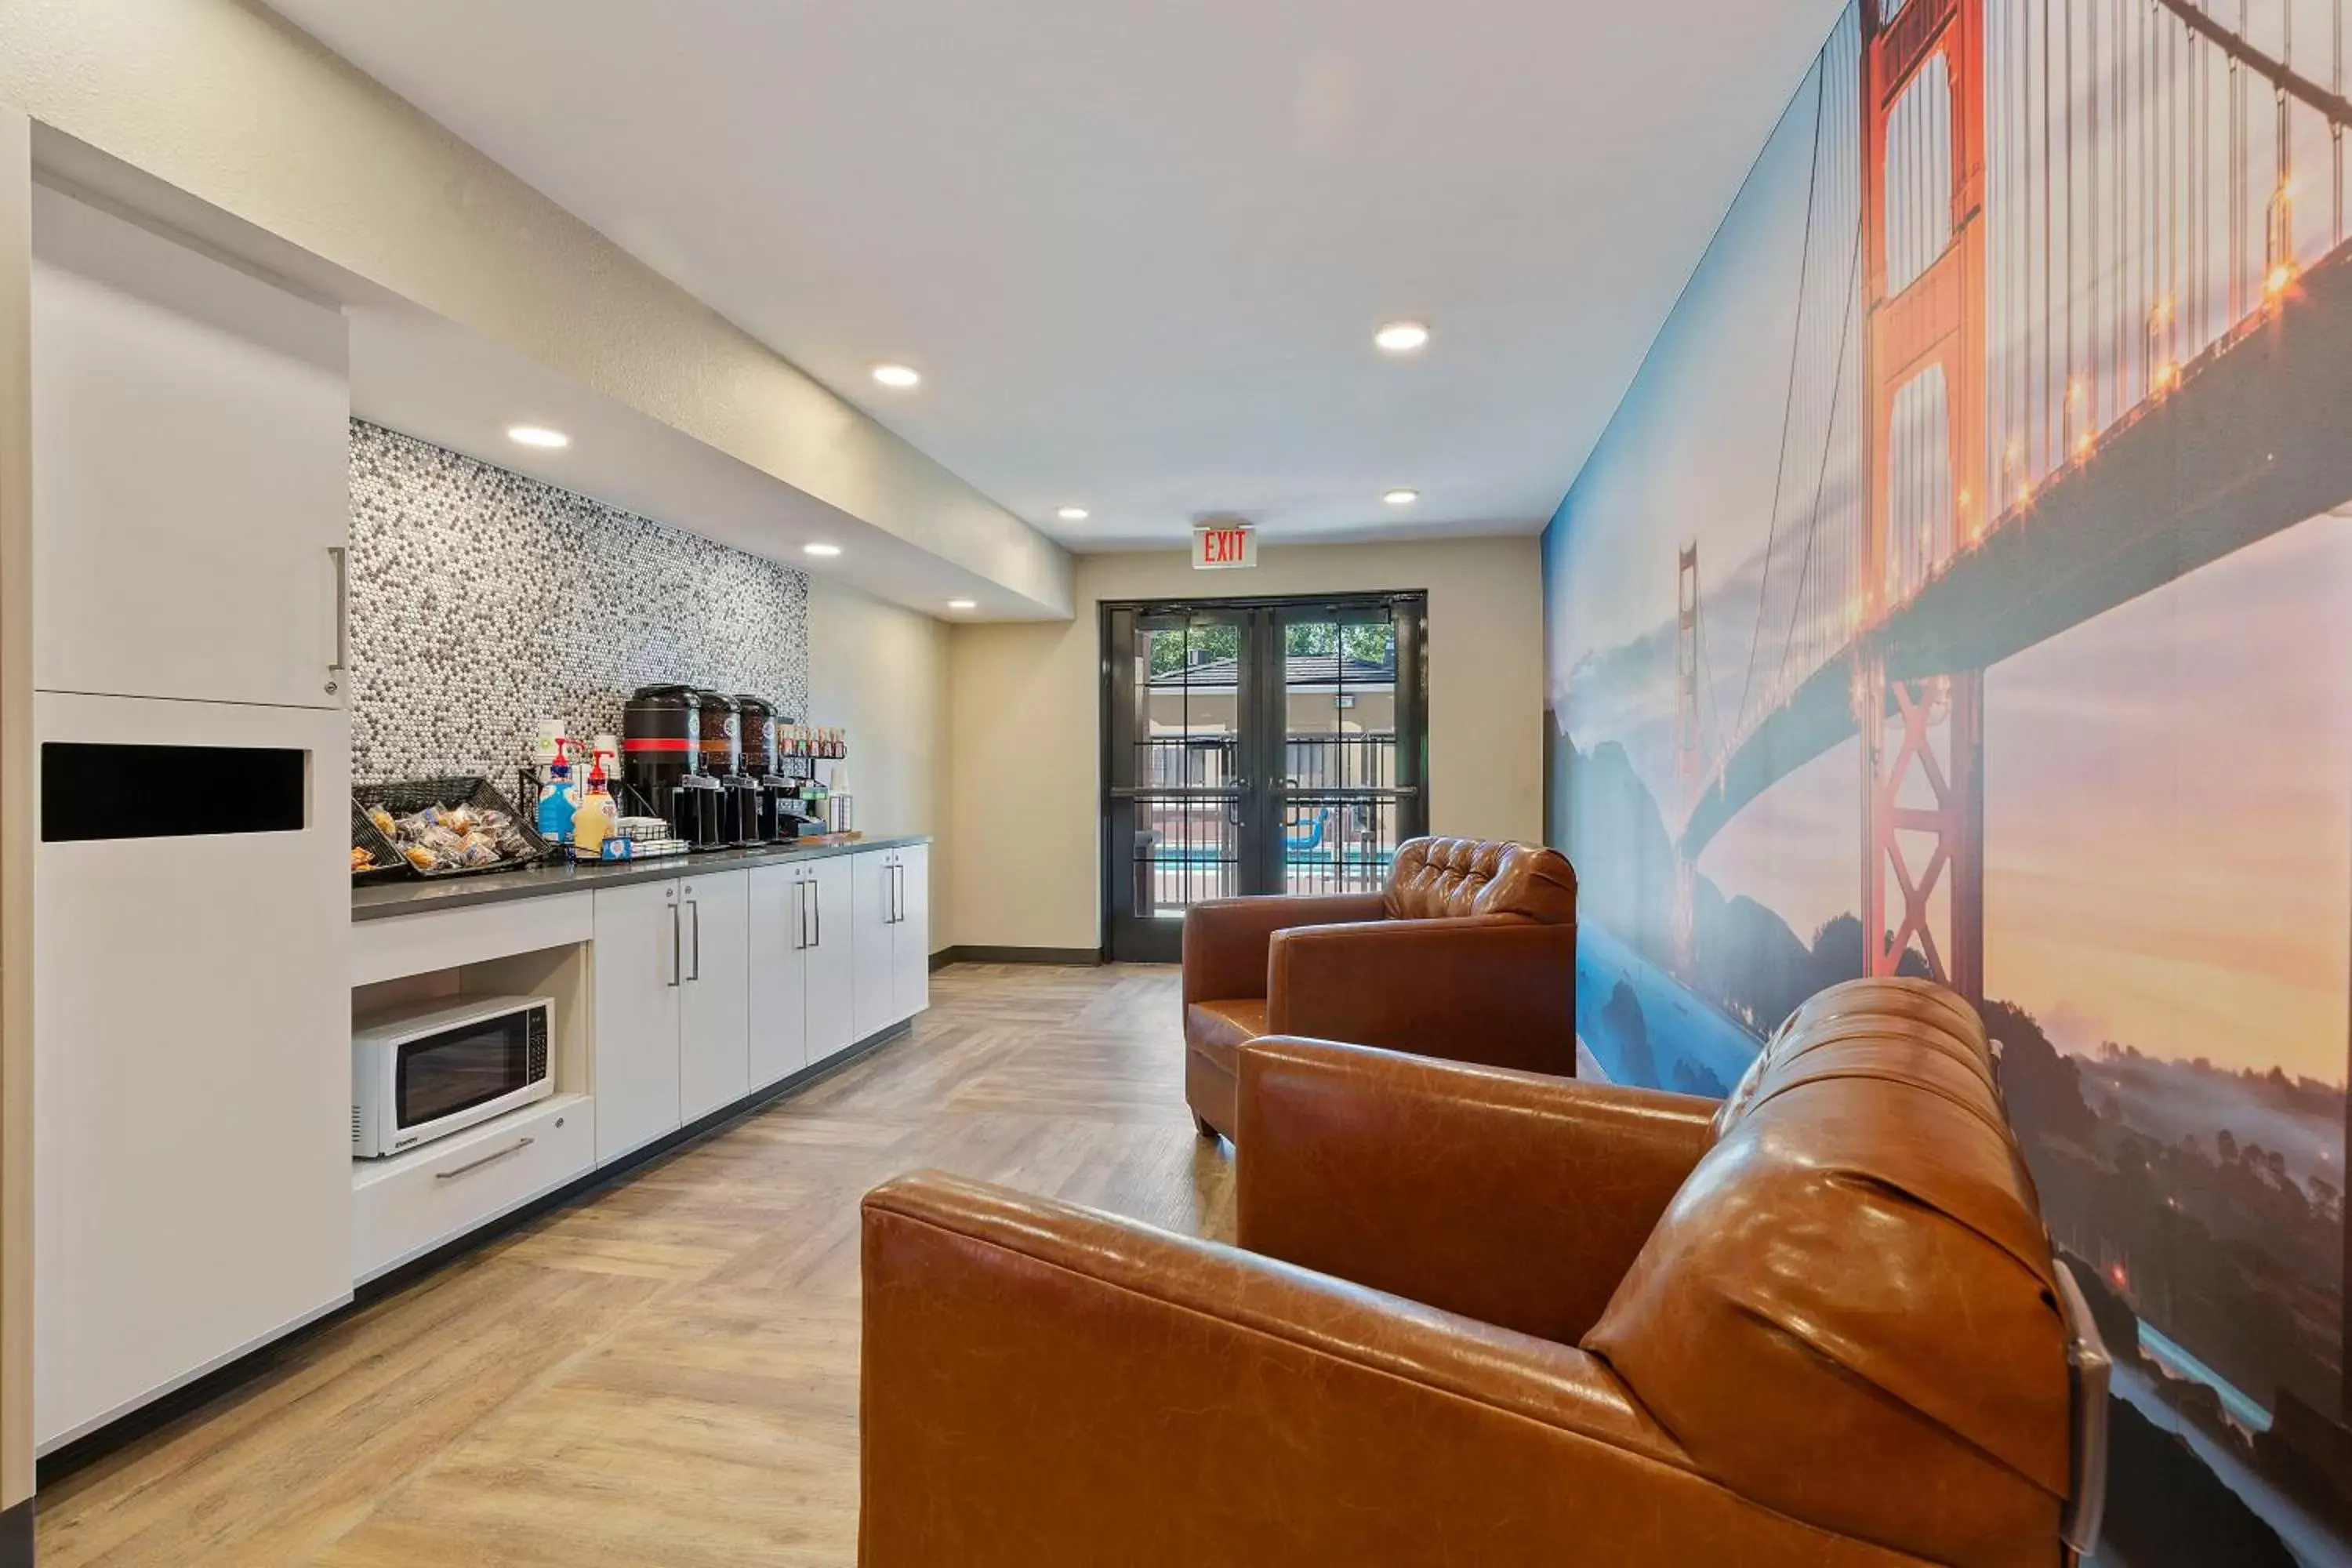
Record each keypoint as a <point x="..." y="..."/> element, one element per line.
<point x="473" y="1165"/>
<point x="804" y="886"/>
<point x="342" y="556"/>
<point x="816" y="902"/>
<point x="696" y="905"/>
<point x="675" y="966"/>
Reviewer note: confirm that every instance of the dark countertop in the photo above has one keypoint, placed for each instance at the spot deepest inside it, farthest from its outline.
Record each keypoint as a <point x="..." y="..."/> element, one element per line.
<point x="382" y="901"/>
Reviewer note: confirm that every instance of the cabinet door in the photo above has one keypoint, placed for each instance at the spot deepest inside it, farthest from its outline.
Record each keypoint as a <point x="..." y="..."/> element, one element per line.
<point x="831" y="1006"/>
<point x="777" y="932"/>
<point x="191" y="471"/>
<point x="639" y="945"/>
<point x="714" y="1065"/>
<point x="911" y="943"/>
<point x="873" y="951"/>
<point x="191" y="1077"/>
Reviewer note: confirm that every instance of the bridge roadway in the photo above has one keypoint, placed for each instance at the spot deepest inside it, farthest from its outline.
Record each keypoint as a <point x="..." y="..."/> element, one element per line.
<point x="2256" y="438"/>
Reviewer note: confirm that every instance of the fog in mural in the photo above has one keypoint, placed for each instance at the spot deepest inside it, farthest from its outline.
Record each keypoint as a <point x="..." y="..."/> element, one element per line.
<point x="1965" y="588"/>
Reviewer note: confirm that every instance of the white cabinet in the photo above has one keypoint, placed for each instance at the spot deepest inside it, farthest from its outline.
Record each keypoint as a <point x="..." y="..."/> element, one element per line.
<point x="672" y="1001"/>
<point x="892" y="945"/>
<point x="910" y="942"/>
<point x="191" y="1067"/>
<point x="405" y="1206"/>
<point x="825" y="959"/>
<point x="803" y="990"/>
<point x="191" y="472"/>
<point x="638" y="958"/>
<point x="873" y="953"/>
<point x="714" y="1066"/>
<point x="778" y="933"/>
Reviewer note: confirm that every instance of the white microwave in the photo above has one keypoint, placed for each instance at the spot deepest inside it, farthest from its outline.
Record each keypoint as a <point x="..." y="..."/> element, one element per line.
<point x="425" y="1071"/>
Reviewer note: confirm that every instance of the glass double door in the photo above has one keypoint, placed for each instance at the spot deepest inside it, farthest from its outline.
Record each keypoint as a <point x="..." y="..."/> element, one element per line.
<point x="1274" y="746"/>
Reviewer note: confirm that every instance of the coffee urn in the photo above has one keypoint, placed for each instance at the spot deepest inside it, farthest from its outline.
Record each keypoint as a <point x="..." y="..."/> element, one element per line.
<point x="722" y="760"/>
<point x="758" y="717"/>
<point x="662" y="759"/>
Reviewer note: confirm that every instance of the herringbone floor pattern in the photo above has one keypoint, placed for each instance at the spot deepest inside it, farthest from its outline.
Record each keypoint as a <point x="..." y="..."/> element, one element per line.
<point x="666" y="1373"/>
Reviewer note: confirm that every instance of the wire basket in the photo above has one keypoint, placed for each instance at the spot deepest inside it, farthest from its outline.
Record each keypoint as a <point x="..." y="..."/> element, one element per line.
<point x="389" y="864"/>
<point x="471" y="791"/>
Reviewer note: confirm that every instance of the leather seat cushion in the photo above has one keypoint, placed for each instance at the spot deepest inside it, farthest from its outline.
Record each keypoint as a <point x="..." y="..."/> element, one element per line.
<point x="1218" y="1030"/>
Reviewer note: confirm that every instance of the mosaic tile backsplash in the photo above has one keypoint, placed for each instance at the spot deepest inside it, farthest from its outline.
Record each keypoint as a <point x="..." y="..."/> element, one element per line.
<point x="483" y="601"/>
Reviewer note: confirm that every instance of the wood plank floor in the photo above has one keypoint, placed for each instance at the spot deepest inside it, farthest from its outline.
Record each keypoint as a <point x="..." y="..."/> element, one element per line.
<point x="666" y="1373"/>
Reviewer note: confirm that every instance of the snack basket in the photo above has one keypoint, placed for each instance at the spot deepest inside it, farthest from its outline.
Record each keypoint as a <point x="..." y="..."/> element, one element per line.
<point x="471" y="791"/>
<point x="390" y="865"/>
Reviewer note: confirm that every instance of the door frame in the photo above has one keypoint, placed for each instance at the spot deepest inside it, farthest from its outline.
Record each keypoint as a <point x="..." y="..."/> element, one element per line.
<point x="1264" y="717"/>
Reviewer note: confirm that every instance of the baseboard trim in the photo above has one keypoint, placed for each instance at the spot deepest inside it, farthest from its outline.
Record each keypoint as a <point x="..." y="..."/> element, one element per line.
<point x="1087" y="957"/>
<point x="16" y="1536"/>
<point x="193" y="1395"/>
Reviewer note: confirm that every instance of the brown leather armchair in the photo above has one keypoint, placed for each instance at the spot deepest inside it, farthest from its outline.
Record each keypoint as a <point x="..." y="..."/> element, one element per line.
<point x="1483" y="1317"/>
<point x="1469" y="953"/>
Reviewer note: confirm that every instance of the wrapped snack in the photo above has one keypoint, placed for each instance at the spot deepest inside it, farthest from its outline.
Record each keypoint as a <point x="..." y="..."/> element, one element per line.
<point x="439" y="839"/>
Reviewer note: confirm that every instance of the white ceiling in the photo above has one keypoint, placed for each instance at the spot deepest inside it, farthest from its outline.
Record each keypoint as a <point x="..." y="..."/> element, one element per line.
<point x="1139" y="252"/>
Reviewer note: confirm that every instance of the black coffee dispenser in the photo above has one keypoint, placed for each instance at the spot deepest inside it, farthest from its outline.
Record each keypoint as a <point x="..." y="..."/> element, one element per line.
<point x="661" y="758"/>
<point x="722" y="762"/>
<point x="760" y="765"/>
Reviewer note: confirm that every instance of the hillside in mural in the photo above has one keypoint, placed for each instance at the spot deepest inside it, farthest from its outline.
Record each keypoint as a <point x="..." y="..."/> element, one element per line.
<point x="1964" y="588"/>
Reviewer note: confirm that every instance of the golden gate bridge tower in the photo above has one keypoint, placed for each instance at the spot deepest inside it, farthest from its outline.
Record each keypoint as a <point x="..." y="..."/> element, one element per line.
<point x="1922" y="732"/>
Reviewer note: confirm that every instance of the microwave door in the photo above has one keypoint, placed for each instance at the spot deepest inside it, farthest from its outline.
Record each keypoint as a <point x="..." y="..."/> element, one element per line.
<point x="450" y="1079"/>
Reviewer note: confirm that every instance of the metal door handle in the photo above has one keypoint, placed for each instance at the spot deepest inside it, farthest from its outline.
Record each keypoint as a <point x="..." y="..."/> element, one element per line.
<point x="473" y="1165"/>
<point x="675" y="966"/>
<point x="800" y="916"/>
<point x="898" y="891"/>
<point x="696" y="905"/>
<point x="342" y="556"/>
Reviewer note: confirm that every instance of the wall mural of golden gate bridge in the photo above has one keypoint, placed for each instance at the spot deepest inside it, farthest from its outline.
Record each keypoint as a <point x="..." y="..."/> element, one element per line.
<point x="1965" y="588"/>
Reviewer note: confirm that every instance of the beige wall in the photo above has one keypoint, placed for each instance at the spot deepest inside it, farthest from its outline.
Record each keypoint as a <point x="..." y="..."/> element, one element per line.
<point x="228" y="103"/>
<point x="1025" y="714"/>
<point x="882" y="671"/>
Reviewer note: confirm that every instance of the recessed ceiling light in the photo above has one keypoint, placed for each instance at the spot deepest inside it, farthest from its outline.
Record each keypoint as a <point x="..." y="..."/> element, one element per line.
<point x="1401" y="497"/>
<point x="819" y="549"/>
<point x="963" y="603"/>
<point x="538" y="435"/>
<point x="1072" y="514"/>
<point x="1401" y="337"/>
<point x="898" y="375"/>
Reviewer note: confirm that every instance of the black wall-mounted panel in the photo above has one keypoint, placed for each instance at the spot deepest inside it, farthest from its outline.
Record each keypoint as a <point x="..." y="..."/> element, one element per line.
<point x="91" y="791"/>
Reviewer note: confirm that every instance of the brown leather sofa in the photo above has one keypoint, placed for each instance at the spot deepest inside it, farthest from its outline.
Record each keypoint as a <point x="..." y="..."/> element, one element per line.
<point x="1469" y="953"/>
<point x="1486" y="1317"/>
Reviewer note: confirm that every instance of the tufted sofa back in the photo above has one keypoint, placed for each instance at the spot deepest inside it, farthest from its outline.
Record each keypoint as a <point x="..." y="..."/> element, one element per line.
<point x="1451" y="879"/>
<point x="1849" y="1312"/>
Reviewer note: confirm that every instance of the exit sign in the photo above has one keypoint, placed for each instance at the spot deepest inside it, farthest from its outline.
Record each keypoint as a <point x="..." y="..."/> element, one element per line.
<point x="1218" y="545"/>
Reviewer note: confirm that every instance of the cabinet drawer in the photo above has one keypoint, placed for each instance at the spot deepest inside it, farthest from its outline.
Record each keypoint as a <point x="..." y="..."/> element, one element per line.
<point x="405" y="1206"/>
